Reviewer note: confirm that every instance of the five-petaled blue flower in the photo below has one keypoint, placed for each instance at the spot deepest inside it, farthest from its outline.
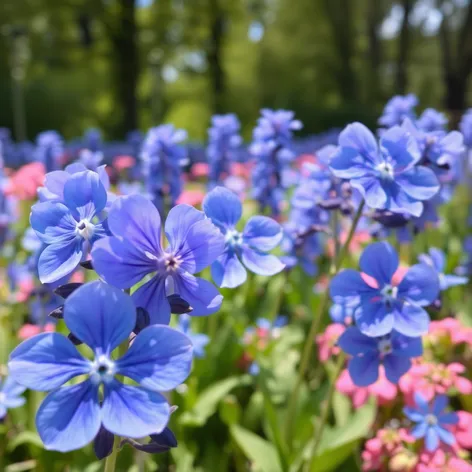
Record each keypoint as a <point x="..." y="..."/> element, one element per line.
<point x="260" y="235"/>
<point x="432" y="421"/>
<point x="436" y="258"/>
<point x="387" y="175"/>
<point x="135" y="251"/>
<point x="67" y="229"/>
<point x="10" y="395"/>
<point x="394" y="351"/>
<point x="383" y="306"/>
<point x="103" y="317"/>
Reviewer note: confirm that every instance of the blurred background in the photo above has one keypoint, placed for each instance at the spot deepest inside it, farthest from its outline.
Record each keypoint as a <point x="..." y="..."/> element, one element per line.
<point x="121" y="65"/>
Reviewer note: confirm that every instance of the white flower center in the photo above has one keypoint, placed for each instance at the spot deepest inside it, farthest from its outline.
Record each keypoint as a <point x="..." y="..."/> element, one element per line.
<point x="102" y="370"/>
<point x="431" y="419"/>
<point x="389" y="292"/>
<point x="385" y="346"/>
<point x="85" y="229"/>
<point x="386" y="170"/>
<point x="172" y="263"/>
<point x="233" y="238"/>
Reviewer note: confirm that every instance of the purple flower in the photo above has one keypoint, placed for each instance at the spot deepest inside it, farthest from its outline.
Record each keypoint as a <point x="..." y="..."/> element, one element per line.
<point x="397" y="109"/>
<point x="68" y="229"/>
<point x="386" y="307"/>
<point x="394" y="351"/>
<point x="10" y="395"/>
<point x="432" y="120"/>
<point x="387" y="174"/>
<point x="465" y="127"/>
<point x="135" y="251"/>
<point x="260" y="235"/>
<point x="103" y="317"/>
<point x="49" y="149"/>
<point x="432" y="421"/>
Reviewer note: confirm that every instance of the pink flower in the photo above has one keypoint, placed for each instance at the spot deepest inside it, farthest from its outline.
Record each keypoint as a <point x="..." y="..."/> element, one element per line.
<point x="191" y="197"/>
<point x="441" y="461"/>
<point x="327" y="342"/>
<point x="242" y="170"/>
<point x="430" y="379"/>
<point x="25" y="287"/>
<point x="463" y="430"/>
<point x="383" y="390"/>
<point x="78" y="277"/>
<point x="29" y="330"/>
<point x="199" y="169"/>
<point x="24" y="183"/>
<point x="449" y="330"/>
<point x="123" y="162"/>
<point x="303" y="158"/>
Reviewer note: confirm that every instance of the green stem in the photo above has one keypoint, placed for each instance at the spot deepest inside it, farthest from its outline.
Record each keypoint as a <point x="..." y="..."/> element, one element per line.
<point x="314" y="328"/>
<point x="325" y="413"/>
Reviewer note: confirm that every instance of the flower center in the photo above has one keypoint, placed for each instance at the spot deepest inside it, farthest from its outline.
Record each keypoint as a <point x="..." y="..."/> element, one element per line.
<point x="389" y="292"/>
<point x="102" y="370"/>
<point x="233" y="238"/>
<point x="172" y="263"/>
<point x="431" y="420"/>
<point x="386" y="170"/>
<point x="85" y="229"/>
<point x="385" y="346"/>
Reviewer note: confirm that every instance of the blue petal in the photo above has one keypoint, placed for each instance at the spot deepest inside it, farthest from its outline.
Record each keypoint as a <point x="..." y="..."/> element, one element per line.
<point x="179" y="220"/>
<point x="160" y="358"/>
<point x="448" y="418"/>
<point x="59" y="260"/>
<point x="380" y="261"/>
<point x="419" y="183"/>
<point x="100" y="315"/>
<point x="395" y="367"/>
<point x="203" y="243"/>
<point x="120" y="263"/>
<point x="353" y="342"/>
<point x="413" y="415"/>
<point x="227" y="271"/>
<point x="421" y="403"/>
<point x="445" y="436"/>
<point x="259" y="263"/>
<point x="349" y="283"/>
<point x="373" y="190"/>
<point x="262" y="233"/>
<point x="46" y="361"/>
<point x="364" y="370"/>
<point x="401" y="146"/>
<point x="11" y="388"/>
<point x="85" y="193"/>
<point x="223" y="207"/>
<point x="439" y="404"/>
<point x="419" y="431"/>
<point x="407" y="346"/>
<point x="55" y="181"/>
<point x="69" y="418"/>
<point x="420" y="285"/>
<point x="347" y="163"/>
<point x="152" y="297"/>
<point x="431" y="439"/>
<point x="53" y="222"/>
<point x="136" y="220"/>
<point x="133" y="412"/>
<point x="411" y="320"/>
<point x="447" y="281"/>
<point x="373" y="319"/>
<point x="202" y="296"/>
<point x="199" y="341"/>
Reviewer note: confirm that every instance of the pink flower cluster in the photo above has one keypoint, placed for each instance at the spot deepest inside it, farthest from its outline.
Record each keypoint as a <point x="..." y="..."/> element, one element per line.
<point x="448" y="331"/>
<point x="327" y="341"/>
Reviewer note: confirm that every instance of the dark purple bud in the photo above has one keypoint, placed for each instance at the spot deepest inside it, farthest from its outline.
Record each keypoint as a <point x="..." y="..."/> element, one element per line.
<point x="103" y="443"/>
<point x="161" y="442"/>
<point x="58" y="313"/>
<point x="65" y="290"/>
<point x="331" y="203"/>
<point x="346" y="208"/>
<point x="143" y="320"/>
<point x="166" y="438"/>
<point x="87" y="264"/>
<point x="74" y="339"/>
<point x="178" y="305"/>
<point x="389" y="219"/>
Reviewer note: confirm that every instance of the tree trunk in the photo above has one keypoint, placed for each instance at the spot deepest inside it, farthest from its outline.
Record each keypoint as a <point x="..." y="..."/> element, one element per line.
<point x="126" y="67"/>
<point x="403" y="49"/>
<point x="214" y="56"/>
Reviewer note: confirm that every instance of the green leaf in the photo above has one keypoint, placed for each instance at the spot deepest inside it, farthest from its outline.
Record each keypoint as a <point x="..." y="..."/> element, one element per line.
<point x="260" y="452"/>
<point x="25" y="437"/>
<point x="332" y="458"/>
<point x="341" y="408"/>
<point x="207" y="402"/>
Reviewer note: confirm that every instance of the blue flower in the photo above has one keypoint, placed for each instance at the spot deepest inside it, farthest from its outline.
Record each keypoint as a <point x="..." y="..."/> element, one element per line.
<point x="224" y="141"/>
<point x="437" y="259"/>
<point x="397" y="109"/>
<point x="260" y="235"/>
<point x="135" y="251"/>
<point x="342" y="311"/>
<point x="68" y="229"/>
<point x="465" y="126"/>
<point x="162" y="157"/>
<point x="386" y="175"/>
<point x="49" y="149"/>
<point x="199" y="341"/>
<point x="384" y="307"/>
<point x="394" y="351"/>
<point x="432" y="120"/>
<point x="432" y="421"/>
<point x="10" y="395"/>
<point x="103" y="317"/>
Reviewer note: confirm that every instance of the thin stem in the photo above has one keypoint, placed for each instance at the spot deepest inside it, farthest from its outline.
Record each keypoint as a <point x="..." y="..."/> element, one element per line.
<point x="325" y="413"/>
<point x="314" y="328"/>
